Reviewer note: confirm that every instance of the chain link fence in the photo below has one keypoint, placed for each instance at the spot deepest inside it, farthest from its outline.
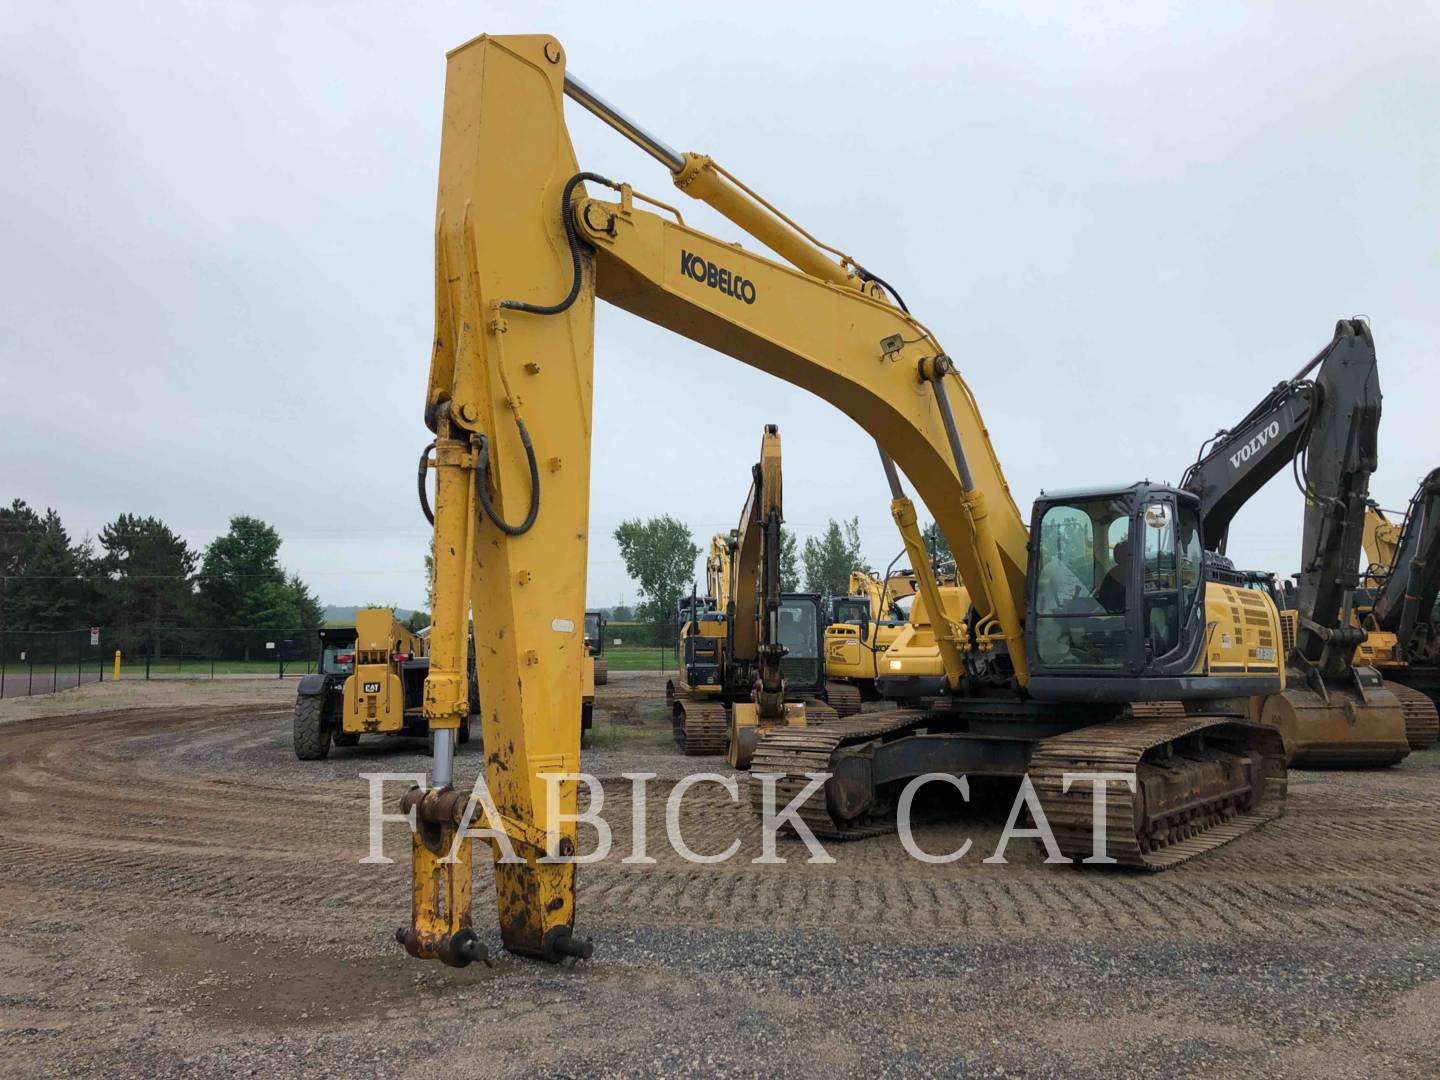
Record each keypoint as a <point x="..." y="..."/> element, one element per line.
<point x="43" y="662"/>
<point x="642" y="646"/>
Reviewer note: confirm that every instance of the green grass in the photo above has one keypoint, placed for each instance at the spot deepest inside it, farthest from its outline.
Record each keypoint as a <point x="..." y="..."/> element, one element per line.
<point x="614" y="736"/>
<point x="134" y="668"/>
<point x="639" y="658"/>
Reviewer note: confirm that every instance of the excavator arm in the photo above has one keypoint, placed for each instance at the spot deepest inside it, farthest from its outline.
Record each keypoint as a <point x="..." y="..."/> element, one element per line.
<point x="521" y="251"/>
<point x="1408" y="564"/>
<point x="757" y="579"/>
<point x="1326" y="427"/>
<point x="717" y="571"/>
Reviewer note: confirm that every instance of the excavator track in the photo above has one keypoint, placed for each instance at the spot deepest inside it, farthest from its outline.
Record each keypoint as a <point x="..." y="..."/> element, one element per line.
<point x="1212" y="779"/>
<point x="702" y="728"/>
<point x="844" y="698"/>
<point x="791" y="752"/>
<point x="1422" y="721"/>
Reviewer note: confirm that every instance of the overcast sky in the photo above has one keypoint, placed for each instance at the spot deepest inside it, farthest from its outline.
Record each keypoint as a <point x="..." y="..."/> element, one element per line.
<point x="1126" y="222"/>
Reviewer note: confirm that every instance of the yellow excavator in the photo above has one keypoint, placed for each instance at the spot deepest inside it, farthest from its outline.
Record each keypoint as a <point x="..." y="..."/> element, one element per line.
<point x="1101" y="604"/>
<point x="863" y="625"/>
<point x="758" y="660"/>
<point x="1397" y="607"/>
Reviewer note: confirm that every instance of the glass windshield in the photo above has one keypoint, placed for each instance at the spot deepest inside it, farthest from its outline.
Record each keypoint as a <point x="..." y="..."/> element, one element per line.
<point x="337" y="657"/>
<point x="1082" y="593"/>
<point x="852" y="611"/>
<point x="797" y="632"/>
<point x="592" y="626"/>
<point x="1160" y="575"/>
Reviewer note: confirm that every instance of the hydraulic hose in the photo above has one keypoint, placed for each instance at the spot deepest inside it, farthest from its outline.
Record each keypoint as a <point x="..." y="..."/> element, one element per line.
<point x="866" y="276"/>
<point x="572" y="238"/>
<point x="424" y="498"/>
<point x="482" y="487"/>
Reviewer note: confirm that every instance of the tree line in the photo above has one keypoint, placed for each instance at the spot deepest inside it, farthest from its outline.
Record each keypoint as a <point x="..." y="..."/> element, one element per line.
<point x="660" y="554"/>
<point x="139" y="573"/>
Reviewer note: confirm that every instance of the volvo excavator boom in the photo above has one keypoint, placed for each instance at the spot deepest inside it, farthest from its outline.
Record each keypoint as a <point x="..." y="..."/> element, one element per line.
<point x="1103" y="603"/>
<point x="1323" y="425"/>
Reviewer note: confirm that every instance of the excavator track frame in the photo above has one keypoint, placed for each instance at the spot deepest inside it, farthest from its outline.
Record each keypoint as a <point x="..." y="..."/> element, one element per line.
<point x="1197" y="756"/>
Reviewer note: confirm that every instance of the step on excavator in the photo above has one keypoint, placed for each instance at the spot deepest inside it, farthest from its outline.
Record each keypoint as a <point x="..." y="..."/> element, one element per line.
<point x="1397" y="607"/>
<point x="1101" y="607"/>
<point x="760" y="663"/>
<point x="1323" y="422"/>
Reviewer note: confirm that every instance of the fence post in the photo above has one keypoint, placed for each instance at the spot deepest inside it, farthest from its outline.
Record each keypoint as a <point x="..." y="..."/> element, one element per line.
<point x="55" y="667"/>
<point x="3" y="651"/>
<point x="30" y="689"/>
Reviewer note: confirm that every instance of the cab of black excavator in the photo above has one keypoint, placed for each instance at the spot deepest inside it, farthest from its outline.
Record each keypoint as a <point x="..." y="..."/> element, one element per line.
<point x="1115" y="596"/>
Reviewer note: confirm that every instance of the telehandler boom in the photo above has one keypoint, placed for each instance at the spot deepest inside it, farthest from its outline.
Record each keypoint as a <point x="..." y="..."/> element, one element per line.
<point x="1061" y="638"/>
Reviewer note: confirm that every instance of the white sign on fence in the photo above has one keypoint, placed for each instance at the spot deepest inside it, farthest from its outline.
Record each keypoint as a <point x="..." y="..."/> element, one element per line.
<point x="269" y="644"/>
<point x="94" y="635"/>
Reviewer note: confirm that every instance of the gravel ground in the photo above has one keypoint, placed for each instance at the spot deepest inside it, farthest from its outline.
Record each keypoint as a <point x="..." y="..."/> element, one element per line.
<point x="179" y="896"/>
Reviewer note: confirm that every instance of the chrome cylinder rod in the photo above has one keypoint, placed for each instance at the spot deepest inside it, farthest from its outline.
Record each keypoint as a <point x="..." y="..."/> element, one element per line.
<point x="441" y="764"/>
<point x="579" y="92"/>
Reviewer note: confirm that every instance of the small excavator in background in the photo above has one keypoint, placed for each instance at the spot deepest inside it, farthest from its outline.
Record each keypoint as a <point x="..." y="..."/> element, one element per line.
<point x="765" y="667"/>
<point x="1332" y="711"/>
<point x="1101" y="606"/>
<point x="863" y="625"/>
<point x="1397" y="607"/>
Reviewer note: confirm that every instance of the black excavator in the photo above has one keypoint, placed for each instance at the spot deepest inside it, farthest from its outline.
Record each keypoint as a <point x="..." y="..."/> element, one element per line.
<point x="1397" y="606"/>
<point x="1322" y="423"/>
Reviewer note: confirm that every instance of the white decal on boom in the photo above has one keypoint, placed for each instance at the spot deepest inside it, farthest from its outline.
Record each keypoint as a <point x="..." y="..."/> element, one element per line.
<point x="1255" y="445"/>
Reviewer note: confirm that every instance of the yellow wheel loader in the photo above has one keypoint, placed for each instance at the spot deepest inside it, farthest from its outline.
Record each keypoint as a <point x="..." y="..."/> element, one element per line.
<point x="1077" y="626"/>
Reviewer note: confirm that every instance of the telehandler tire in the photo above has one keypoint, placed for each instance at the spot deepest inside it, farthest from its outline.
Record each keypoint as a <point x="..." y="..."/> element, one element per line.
<point x="312" y="737"/>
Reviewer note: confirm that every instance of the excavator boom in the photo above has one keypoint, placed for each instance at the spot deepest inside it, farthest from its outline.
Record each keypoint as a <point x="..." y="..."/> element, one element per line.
<point x="1333" y="712"/>
<point x="523" y="246"/>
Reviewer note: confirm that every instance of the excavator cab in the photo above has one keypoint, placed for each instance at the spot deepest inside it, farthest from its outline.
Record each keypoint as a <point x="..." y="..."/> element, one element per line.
<point x="801" y="625"/>
<point x="1116" y="596"/>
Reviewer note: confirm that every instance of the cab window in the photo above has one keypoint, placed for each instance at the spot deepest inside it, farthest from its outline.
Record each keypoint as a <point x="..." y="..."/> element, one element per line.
<point x="1160" y="576"/>
<point x="1083" y="587"/>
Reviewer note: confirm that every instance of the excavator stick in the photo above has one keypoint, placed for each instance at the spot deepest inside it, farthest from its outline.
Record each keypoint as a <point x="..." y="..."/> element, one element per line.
<point x="513" y="338"/>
